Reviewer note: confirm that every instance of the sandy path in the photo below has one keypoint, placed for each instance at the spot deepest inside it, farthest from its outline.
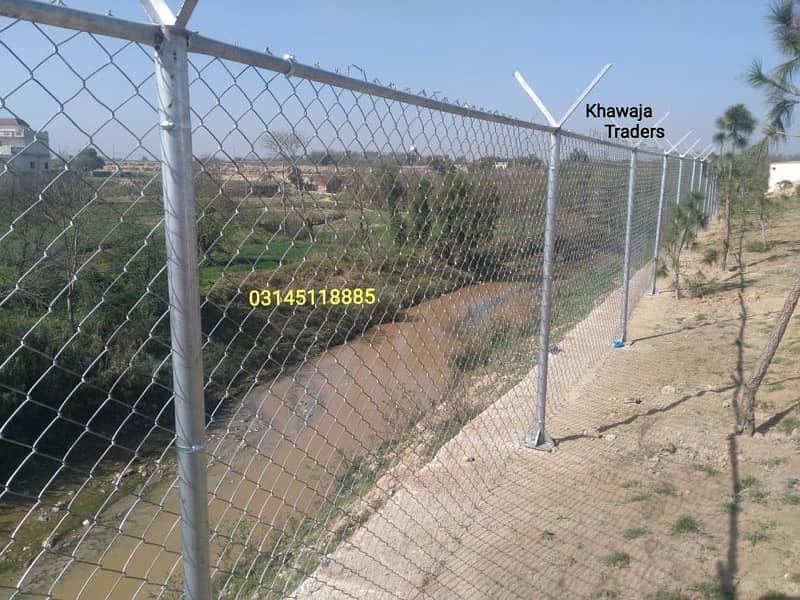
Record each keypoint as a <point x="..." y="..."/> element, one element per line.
<point x="644" y="442"/>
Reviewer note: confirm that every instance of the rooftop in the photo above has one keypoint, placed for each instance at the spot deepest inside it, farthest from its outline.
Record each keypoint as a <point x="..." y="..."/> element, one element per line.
<point x="13" y="122"/>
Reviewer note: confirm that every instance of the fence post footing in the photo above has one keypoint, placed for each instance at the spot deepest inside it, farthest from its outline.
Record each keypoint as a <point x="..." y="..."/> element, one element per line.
<point x="540" y="440"/>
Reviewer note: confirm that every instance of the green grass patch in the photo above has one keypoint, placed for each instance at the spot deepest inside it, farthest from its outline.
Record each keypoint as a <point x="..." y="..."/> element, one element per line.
<point x="731" y="507"/>
<point x="635" y="532"/>
<point x="701" y="317"/>
<point x="664" y="488"/>
<point x="711" y="590"/>
<point x="546" y="535"/>
<point x="706" y="470"/>
<point x="572" y="300"/>
<point x="758" y="246"/>
<point x="685" y="524"/>
<point x="762" y="533"/>
<point x="752" y="488"/>
<point x="449" y="427"/>
<point x="616" y="559"/>
<point x="789" y="423"/>
<point x="500" y="340"/>
<point x="604" y="594"/>
<point x="770" y="464"/>
<point x="748" y="481"/>
<point x="630" y="484"/>
<point x="296" y="553"/>
<point x="792" y="499"/>
<point x="259" y="255"/>
<point x="641" y="497"/>
<point x="667" y="595"/>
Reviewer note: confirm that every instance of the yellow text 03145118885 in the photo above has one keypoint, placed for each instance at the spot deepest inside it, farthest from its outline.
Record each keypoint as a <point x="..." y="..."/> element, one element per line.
<point x="301" y="297"/>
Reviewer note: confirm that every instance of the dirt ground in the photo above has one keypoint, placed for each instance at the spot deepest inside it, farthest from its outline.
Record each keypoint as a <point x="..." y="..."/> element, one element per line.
<point x="647" y="494"/>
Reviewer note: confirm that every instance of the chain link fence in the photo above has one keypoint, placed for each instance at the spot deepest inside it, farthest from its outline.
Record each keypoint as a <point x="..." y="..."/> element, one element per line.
<point x="361" y="269"/>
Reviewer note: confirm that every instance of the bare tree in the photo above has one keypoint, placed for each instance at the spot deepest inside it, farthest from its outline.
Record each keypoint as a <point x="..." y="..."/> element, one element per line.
<point x="747" y="395"/>
<point x="284" y="143"/>
<point x="64" y="207"/>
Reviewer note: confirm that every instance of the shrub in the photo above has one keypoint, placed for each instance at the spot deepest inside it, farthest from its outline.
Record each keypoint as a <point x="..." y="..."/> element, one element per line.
<point x="700" y="286"/>
<point x="685" y="524"/>
<point x="334" y="185"/>
<point x="265" y="189"/>
<point x="616" y="559"/>
<point x="466" y="213"/>
<point x="684" y="221"/>
<point x="757" y="246"/>
<point x="635" y="532"/>
<point x="710" y="256"/>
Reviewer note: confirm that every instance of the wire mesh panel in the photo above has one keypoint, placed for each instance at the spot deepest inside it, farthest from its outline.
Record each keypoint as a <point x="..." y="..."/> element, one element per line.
<point x="370" y="274"/>
<point x="645" y="216"/>
<point x="671" y="183"/>
<point x="684" y="175"/>
<point x="369" y="286"/>
<point x="86" y="434"/>
<point x="590" y="240"/>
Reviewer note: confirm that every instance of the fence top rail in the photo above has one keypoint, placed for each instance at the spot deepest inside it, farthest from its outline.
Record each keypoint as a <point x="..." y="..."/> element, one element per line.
<point x="70" y="18"/>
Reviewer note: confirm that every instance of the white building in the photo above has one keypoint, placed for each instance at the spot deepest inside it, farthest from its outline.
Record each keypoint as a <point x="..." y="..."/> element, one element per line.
<point x="783" y="171"/>
<point x="22" y="148"/>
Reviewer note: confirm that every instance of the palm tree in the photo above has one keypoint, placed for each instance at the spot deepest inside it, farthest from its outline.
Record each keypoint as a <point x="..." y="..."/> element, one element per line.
<point x="782" y="96"/>
<point x="734" y="126"/>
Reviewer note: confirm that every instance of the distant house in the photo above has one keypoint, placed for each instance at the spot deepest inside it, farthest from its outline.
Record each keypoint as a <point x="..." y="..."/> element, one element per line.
<point x="412" y="156"/>
<point x="783" y="171"/>
<point x="22" y="148"/>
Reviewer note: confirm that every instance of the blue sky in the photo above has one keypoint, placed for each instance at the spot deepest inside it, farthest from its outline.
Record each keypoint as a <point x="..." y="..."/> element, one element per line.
<point x="684" y="56"/>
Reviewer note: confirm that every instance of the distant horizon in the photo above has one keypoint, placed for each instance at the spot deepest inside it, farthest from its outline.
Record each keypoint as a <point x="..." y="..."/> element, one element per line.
<point x="692" y="63"/>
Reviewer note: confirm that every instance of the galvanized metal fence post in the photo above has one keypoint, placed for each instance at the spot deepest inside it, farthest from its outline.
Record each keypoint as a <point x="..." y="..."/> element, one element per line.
<point x="172" y="79"/>
<point x="658" y="223"/>
<point x="540" y="436"/>
<point x="713" y="194"/>
<point x="540" y="440"/>
<point x="694" y="168"/>
<point x="701" y="188"/>
<point x="626" y="264"/>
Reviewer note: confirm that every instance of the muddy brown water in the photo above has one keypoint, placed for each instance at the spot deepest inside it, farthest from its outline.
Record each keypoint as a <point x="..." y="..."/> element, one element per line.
<point x="277" y="454"/>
